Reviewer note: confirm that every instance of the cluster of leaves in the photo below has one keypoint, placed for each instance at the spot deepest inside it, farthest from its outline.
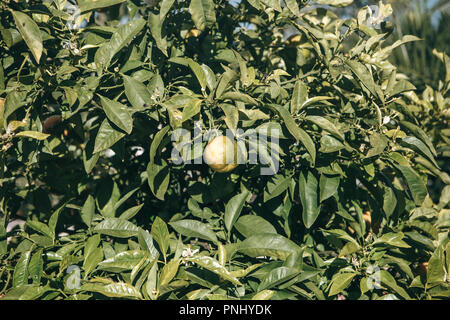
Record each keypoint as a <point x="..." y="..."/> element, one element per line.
<point x="87" y="116"/>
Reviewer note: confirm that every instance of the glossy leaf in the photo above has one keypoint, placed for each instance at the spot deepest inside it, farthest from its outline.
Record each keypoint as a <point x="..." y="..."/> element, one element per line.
<point x="106" y="137"/>
<point x="267" y="244"/>
<point x="308" y="188"/>
<point x="234" y="208"/>
<point x="30" y="33"/>
<point x="160" y="233"/>
<point x="249" y="225"/>
<point x="116" y="227"/>
<point x="203" y="13"/>
<point x="193" y="228"/>
<point x="213" y="265"/>
<point x="340" y="282"/>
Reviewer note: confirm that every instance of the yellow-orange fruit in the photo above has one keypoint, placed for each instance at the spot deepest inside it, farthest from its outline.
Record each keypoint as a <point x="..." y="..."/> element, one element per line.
<point x="221" y="154"/>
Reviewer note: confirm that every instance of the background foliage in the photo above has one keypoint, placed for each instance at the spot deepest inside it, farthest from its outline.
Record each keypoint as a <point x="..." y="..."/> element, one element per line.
<point x="361" y="197"/>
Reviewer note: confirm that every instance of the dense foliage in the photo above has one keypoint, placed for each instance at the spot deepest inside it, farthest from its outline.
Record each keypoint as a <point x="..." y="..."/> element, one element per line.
<point x="87" y="116"/>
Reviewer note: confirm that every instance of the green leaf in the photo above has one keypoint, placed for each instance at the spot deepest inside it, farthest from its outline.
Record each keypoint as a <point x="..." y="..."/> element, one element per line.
<point x="388" y="280"/>
<point x="124" y="198"/>
<point x="136" y="92"/>
<point x="210" y="77"/>
<point x="308" y="188"/>
<point x="156" y="141"/>
<point x="118" y="114"/>
<point x="335" y="3"/>
<point x="88" y="210"/>
<point x="191" y="109"/>
<point x="299" y="96"/>
<point x="32" y="134"/>
<point x="231" y="115"/>
<point x="123" y="261"/>
<point x="123" y="35"/>
<point x="233" y="209"/>
<point x="328" y="186"/>
<point x="131" y="212"/>
<point x="158" y="178"/>
<point x="89" y="5"/>
<point x="341" y="234"/>
<point x="113" y="290"/>
<point x="349" y="248"/>
<point x="293" y="7"/>
<point x="420" y="147"/>
<point x="385" y="52"/>
<point x="194" y="229"/>
<point x="36" y="267"/>
<point x="156" y="28"/>
<point x="264" y="295"/>
<point x="203" y="13"/>
<point x="168" y="272"/>
<point x="268" y="244"/>
<point x="26" y="292"/>
<point x="39" y="227"/>
<point x="214" y="266"/>
<point x="326" y="125"/>
<point x="198" y="71"/>
<point x="20" y="276"/>
<point x="364" y="75"/>
<point x="90" y="158"/>
<point x="389" y="201"/>
<point x="249" y="225"/>
<point x="313" y="100"/>
<point x="116" y="227"/>
<point x="93" y="255"/>
<point x="436" y="267"/>
<point x="243" y="69"/>
<point x="146" y="243"/>
<point x="393" y="239"/>
<point x="106" y="137"/>
<point x="329" y="144"/>
<point x="14" y="101"/>
<point x="420" y="134"/>
<point x="400" y="87"/>
<point x="276" y="186"/>
<point x="298" y="133"/>
<point x="165" y="7"/>
<point x="239" y="96"/>
<point x="378" y="143"/>
<point x="224" y="81"/>
<point x="30" y="33"/>
<point x="274" y="4"/>
<point x="160" y="233"/>
<point x="340" y="282"/>
<point x="415" y="184"/>
<point x="278" y="276"/>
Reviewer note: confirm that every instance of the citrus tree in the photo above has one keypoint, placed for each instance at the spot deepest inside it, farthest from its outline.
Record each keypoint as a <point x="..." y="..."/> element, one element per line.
<point x="114" y="184"/>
